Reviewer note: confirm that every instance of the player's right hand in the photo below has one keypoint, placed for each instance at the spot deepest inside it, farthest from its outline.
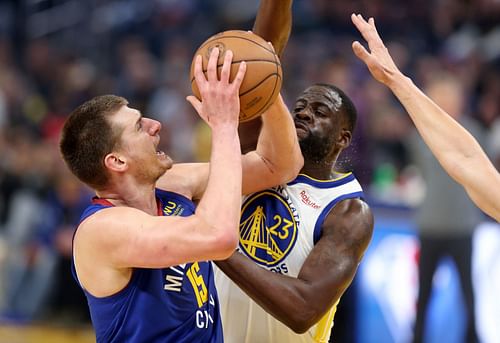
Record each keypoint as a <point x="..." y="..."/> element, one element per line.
<point x="220" y="103"/>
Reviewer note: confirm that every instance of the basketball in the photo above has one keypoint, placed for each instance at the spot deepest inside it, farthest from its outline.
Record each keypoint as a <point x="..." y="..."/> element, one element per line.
<point x="263" y="78"/>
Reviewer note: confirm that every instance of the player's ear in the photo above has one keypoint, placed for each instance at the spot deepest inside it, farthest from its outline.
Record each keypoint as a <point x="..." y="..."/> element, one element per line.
<point x="115" y="162"/>
<point x="344" y="139"/>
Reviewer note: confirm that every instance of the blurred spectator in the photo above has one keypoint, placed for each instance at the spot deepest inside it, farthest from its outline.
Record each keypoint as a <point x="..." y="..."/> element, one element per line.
<point x="29" y="266"/>
<point x="447" y="217"/>
<point x="55" y="54"/>
<point x="63" y="206"/>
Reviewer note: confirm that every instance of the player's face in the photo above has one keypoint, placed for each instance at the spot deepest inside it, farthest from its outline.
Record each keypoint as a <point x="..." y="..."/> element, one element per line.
<point x="139" y="143"/>
<point x="316" y="116"/>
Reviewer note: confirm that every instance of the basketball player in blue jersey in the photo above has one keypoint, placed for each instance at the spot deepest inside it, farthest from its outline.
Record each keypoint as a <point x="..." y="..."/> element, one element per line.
<point x="140" y="251"/>
<point x="301" y="242"/>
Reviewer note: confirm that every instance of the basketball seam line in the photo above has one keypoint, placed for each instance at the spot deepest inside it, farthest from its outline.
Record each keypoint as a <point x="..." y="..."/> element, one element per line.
<point x="239" y="37"/>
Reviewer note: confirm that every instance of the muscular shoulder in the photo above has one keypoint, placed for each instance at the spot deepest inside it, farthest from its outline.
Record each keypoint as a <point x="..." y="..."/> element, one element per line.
<point x="351" y="210"/>
<point x="98" y="226"/>
<point x="95" y="247"/>
<point x="350" y="222"/>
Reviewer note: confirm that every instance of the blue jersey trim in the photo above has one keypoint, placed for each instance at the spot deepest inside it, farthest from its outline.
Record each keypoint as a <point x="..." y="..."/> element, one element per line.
<point x="91" y="210"/>
<point x="302" y="178"/>
<point x="319" y="223"/>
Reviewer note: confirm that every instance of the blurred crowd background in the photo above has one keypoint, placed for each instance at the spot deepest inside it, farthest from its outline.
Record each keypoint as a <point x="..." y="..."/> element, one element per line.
<point x="55" y="54"/>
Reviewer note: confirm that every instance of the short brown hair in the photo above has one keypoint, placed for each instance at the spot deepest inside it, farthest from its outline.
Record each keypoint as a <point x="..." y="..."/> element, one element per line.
<point x="87" y="136"/>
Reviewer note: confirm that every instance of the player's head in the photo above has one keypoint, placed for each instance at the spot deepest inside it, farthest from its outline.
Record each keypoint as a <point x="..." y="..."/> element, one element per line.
<point x="325" y="118"/>
<point x="104" y="135"/>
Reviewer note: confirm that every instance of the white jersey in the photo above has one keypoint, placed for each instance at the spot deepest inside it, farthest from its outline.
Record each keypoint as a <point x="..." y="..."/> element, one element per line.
<point x="278" y="230"/>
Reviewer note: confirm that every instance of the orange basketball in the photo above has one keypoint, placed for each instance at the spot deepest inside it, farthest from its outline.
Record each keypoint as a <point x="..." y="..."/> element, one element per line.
<point x="262" y="82"/>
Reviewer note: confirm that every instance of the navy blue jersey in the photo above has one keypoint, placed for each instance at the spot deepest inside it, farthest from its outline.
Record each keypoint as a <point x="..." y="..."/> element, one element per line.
<point x="175" y="304"/>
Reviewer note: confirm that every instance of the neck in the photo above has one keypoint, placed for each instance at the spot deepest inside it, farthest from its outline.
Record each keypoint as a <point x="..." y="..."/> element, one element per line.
<point x="321" y="170"/>
<point x="139" y="197"/>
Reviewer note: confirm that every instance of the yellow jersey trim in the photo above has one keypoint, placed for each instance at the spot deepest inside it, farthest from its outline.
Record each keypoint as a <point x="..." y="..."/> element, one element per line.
<point x="343" y="176"/>
<point x="325" y="325"/>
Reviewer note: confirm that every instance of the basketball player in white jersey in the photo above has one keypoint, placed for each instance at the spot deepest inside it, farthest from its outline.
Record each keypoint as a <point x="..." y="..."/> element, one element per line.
<point x="300" y="243"/>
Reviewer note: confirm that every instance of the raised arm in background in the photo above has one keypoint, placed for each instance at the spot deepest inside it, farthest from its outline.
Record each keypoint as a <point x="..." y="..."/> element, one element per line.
<point x="274" y="24"/>
<point x="456" y="149"/>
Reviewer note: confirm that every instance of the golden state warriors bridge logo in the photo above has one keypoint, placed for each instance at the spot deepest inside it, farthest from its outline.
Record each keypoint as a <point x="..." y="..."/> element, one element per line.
<point x="268" y="230"/>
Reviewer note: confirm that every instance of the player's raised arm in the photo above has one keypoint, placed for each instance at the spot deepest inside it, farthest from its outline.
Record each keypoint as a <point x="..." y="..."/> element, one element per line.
<point x="277" y="158"/>
<point x="456" y="149"/>
<point x="225" y="153"/>
<point x="274" y="22"/>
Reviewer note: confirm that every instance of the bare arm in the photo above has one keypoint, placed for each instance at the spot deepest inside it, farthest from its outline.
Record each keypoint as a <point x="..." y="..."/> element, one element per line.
<point x="456" y="149"/>
<point x="274" y="24"/>
<point x="125" y="237"/>
<point x="277" y="158"/>
<point x="220" y="100"/>
<point x="110" y="243"/>
<point x="325" y="275"/>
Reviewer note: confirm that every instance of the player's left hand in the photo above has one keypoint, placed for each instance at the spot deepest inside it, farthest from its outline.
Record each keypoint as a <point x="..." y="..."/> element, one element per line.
<point x="378" y="60"/>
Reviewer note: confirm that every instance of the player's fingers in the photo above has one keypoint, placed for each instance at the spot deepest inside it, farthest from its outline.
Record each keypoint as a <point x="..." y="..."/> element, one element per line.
<point x="371" y="22"/>
<point x="361" y="19"/>
<point x="226" y="67"/>
<point x="354" y="19"/>
<point x="360" y="51"/>
<point x="199" y="77"/>
<point x="357" y="20"/>
<point x="362" y="26"/>
<point x="240" y="75"/>
<point x="212" y="65"/>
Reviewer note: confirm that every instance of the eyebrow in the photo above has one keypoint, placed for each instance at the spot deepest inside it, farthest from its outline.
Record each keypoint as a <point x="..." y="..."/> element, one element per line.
<point x="313" y="103"/>
<point x="320" y="104"/>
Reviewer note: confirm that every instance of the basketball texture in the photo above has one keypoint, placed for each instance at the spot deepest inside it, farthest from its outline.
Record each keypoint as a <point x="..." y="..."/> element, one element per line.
<point x="263" y="77"/>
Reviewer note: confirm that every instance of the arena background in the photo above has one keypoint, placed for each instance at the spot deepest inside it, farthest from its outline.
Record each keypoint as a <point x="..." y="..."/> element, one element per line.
<point x="54" y="54"/>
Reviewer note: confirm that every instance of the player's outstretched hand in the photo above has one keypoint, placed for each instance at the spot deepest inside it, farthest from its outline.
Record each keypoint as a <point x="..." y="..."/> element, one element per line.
<point x="378" y="60"/>
<point x="220" y="101"/>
